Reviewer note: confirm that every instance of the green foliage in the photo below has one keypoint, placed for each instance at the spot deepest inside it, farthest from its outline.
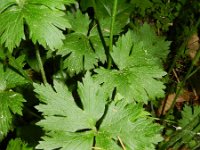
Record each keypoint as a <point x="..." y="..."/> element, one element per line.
<point x="103" y="12"/>
<point x="83" y="75"/>
<point x="77" y="45"/>
<point x="17" y="144"/>
<point x="43" y="18"/>
<point x="189" y="127"/>
<point x="162" y="13"/>
<point x="65" y="122"/>
<point x="137" y="58"/>
<point x="10" y="102"/>
<point x="122" y="123"/>
<point x="188" y="114"/>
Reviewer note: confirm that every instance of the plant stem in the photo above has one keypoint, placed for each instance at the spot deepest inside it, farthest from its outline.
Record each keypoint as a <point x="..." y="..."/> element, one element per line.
<point x="182" y="83"/>
<point x="195" y="71"/>
<point x="111" y="32"/>
<point x="177" y="56"/>
<point x="40" y="64"/>
<point x="106" y="48"/>
<point x="32" y="112"/>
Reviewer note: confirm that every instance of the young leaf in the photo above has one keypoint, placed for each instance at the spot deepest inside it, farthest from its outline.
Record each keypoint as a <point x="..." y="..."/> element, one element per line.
<point x="17" y="144"/>
<point x="139" y="68"/>
<point x="69" y="127"/>
<point x="44" y="22"/>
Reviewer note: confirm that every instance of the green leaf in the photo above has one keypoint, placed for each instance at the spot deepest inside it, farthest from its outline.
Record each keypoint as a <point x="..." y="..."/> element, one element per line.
<point x="157" y="46"/>
<point x="10" y="103"/>
<point x="92" y="97"/>
<point x="11" y="27"/>
<point x="126" y="123"/>
<point x="17" y="64"/>
<point x="66" y="113"/>
<point x="139" y="67"/>
<point x="136" y="83"/>
<point x="17" y="144"/>
<point x="45" y="24"/>
<point x="188" y="114"/>
<point x="189" y="128"/>
<point x="81" y="56"/>
<point x="9" y="78"/>
<point x="83" y="49"/>
<point x="44" y="21"/>
<point x="78" y="19"/>
<point x="69" y="127"/>
<point x="73" y="118"/>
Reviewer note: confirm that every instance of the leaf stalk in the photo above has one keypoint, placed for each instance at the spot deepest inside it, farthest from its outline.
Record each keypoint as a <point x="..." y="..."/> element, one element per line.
<point x="114" y="11"/>
<point x="40" y="64"/>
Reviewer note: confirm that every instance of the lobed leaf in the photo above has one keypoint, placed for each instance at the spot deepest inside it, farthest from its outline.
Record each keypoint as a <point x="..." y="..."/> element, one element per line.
<point x="10" y="78"/>
<point x="157" y="46"/>
<point x="81" y="56"/>
<point x="81" y="49"/>
<point x="69" y="127"/>
<point x="45" y="22"/>
<point x="11" y="27"/>
<point x="139" y="66"/>
<point x="59" y="106"/>
<point x="188" y="114"/>
<point x="127" y="125"/>
<point x="68" y="111"/>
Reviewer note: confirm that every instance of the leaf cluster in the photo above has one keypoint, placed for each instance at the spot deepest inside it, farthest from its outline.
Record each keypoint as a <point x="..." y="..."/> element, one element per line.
<point x="81" y="73"/>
